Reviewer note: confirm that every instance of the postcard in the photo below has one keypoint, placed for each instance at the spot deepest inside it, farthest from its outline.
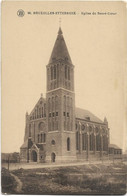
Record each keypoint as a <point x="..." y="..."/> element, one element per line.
<point x="63" y="97"/>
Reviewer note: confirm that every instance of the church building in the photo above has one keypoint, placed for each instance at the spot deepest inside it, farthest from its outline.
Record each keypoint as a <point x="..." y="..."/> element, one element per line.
<point x="56" y="130"/>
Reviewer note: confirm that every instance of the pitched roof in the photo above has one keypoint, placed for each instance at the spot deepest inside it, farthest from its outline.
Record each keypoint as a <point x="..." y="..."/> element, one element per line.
<point x="114" y="146"/>
<point x="85" y="115"/>
<point x="25" y="144"/>
<point x="60" y="50"/>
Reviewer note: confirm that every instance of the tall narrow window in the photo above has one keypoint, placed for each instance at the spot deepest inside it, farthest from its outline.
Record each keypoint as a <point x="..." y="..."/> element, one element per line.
<point x="51" y="73"/>
<point x="44" y="137"/>
<point x="68" y="144"/>
<point x="41" y="138"/>
<point x="40" y="112"/>
<point x="91" y="142"/>
<point x="34" y="132"/>
<point x="54" y="71"/>
<point x="44" y="110"/>
<point x="77" y="140"/>
<point x="66" y="71"/>
<point x="38" y="138"/>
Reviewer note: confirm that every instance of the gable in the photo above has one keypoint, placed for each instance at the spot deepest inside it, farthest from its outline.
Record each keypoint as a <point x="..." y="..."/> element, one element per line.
<point x="39" y="110"/>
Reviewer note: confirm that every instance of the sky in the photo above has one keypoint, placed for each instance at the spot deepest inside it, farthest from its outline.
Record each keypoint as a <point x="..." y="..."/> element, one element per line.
<point x="96" y="44"/>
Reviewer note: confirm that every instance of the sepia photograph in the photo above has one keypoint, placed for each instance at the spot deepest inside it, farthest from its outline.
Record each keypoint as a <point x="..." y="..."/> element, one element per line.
<point x="64" y="128"/>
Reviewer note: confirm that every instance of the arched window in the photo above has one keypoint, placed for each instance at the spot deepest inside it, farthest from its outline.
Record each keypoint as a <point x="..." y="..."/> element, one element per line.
<point x="56" y="102"/>
<point x="64" y="125"/>
<point x="44" y="138"/>
<point x="84" y="141"/>
<point x="68" y="73"/>
<point x="77" y="140"/>
<point x="44" y="110"/>
<point x="64" y="100"/>
<point x="38" y="138"/>
<point x="53" y="142"/>
<point x="35" y="114"/>
<point x="90" y="128"/>
<point x="53" y="126"/>
<point x="68" y="144"/>
<point x="41" y="126"/>
<point x="98" y="142"/>
<point x="41" y="138"/>
<point x="51" y="73"/>
<point x="56" y="125"/>
<point x="105" y="142"/>
<point x="91" y="142"/>
<point x="40" y="112"/>
<point x="67" y="101"/>
<point x="83" y="127"/>
<point x="54" y="71"/>
<point x="53" y="104"/>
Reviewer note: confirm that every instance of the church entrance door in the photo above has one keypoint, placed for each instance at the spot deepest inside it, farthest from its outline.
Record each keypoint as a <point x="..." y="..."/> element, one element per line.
<point x="53" y="157"/>
<point x="34" y="156"/>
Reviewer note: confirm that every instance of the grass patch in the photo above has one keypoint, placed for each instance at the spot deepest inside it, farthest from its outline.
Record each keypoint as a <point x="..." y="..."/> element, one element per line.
<point x="85" y="179"/>
<point x="8" y="182"/>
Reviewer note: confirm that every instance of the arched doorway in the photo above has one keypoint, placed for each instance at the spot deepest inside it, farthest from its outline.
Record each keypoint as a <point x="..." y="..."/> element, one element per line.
<point x="53" y="157"/>
<point x="34" y="156"/>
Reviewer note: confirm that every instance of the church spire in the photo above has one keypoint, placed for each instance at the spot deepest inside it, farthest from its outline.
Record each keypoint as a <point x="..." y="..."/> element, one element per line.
<point x="60" y="51"/>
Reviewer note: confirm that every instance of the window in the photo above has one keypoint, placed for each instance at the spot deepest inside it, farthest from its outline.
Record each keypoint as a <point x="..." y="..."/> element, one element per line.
<point x="51" y="73"/>
<point x="66" y="71"/>
<point x="56" y="125"/>
<point x="50" y="114"/>
<point x="53" y="125"/>
<point x="53" y="103"/>
<point x="67" y="114"/>
<point x="41" y="126"/>
<point x="41" y="137"/>
<point x="44" y="137"/>
<point x="64" y="125"/>
<point x="38" y="138"/>
<point x="98" y="142"/>
<point x="90" y="128"/>
<point x="91" y="142"/>
<point x="56" y="102"/>
<point x="53" y="142"/>
<point x="56" y="113"/>
<point x="64" y="113"/>
<point x="44" y="110"/>
<point x="53" y="114"/>
<point x="84" y="141"/>
<point x="54" y="71"/>
<point x="68" y="144"/>
<point x="83" y="127"/>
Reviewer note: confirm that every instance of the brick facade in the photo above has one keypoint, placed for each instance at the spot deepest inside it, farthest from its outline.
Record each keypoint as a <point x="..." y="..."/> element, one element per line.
<point x="57" y="131"/>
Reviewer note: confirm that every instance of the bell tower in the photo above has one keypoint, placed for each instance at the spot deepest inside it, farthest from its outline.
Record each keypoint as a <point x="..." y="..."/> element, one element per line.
<point x="60" y="99"/>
